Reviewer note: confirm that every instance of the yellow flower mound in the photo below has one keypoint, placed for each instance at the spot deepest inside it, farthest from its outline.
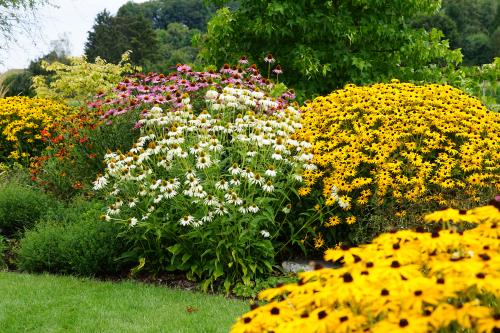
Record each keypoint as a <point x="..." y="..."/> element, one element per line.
<point x="22" y="120"/>
<point x="403" y="144"/>
<point x="402" y="282"/>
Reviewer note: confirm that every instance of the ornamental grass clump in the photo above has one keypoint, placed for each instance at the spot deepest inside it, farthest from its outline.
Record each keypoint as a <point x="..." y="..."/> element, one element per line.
<point x="398" y="149"/>
<point x="205" y="188"/>
<point x="22" y="120"/>
<point x="406" y="281"/>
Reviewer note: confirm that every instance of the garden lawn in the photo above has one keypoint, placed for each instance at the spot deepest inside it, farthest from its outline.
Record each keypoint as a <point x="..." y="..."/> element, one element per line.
<point x="44" y="303"/>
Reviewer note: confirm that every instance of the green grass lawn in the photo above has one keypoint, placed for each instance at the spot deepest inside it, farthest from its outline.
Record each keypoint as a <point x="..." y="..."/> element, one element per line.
<point x="44" y="303"/>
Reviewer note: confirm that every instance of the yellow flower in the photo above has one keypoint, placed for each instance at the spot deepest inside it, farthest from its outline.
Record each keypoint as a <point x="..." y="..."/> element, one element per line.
<point x="407" y="281"/>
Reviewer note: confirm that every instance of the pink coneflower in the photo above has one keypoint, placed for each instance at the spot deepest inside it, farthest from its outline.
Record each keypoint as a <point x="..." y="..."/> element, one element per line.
<point x="161" y="100"/>
<point x="277" y="70"/>
<point x="243" y="60"/>
<point x="269" y="58"/>
<point x="172" y="88"/>
<point x="226" y="69"/>
<point x="146" y="98"/>
<point x="183" y="68"/>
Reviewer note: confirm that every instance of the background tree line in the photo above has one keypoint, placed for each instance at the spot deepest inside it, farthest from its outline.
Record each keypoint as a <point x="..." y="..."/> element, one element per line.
<point x="320" y="44"/>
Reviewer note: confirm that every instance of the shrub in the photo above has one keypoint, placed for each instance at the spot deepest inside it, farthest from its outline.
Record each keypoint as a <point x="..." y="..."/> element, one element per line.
<point x="76" y="242"/>
<point x="22" y="120"/>
<point x="76" y="148"/>
<point x="80" y="81"/>
<point x="204" y="187"/>
<point x="21" y="207"/>
<point x="3" y="250"/>
<point x="397" y="149"/>
<point x="440" y="281"/>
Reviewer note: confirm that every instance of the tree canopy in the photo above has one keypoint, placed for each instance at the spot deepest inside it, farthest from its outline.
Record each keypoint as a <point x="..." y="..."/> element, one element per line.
<point x="111" y="36"/>
<point x="324" y="44"/>
<point x="471" y="25"/>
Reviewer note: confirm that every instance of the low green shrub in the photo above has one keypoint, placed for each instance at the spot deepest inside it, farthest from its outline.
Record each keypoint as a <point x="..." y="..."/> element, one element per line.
<point x="72" y="241"/>
<point x="3" y="249"/>
<point x="21" y="207"/>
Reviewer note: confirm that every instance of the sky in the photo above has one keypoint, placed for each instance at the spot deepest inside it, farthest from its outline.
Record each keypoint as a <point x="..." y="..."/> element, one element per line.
<point x="71" y="18"/>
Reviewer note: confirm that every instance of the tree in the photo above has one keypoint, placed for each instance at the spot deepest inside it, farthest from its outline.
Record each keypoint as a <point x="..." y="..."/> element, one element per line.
<point x="16" y="15"/>
<point x="175" y="47"/>
<point x="473" y="28"/>
<point x="111" y="36"/>
<point x="193" y="13"/>
<point x="324" y="44"/>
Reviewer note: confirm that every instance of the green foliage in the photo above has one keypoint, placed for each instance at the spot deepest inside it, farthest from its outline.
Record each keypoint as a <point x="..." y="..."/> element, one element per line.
<point x="3" y="250"/>
<point x="175" y="48"/>
<point x="192" y="13"/>
<point x="21" y="207"/>
<point x="21" y="83"/>
<point x="111" y="36"/>
<point x="469" y="25"/>
<point x="72" y="242"/>
<point x="324" y="44"/>
<point x="252" y="290"/>
<point x="75" y="153"/>
<point x="80" y="80"/>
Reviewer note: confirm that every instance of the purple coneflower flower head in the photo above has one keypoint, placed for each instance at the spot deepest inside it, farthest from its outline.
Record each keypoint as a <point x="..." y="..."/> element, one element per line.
<point x="277" y="70"/>
<point x="269" y="58"/>
<point x="183" y="68"/>
<point x="243" y="60"/>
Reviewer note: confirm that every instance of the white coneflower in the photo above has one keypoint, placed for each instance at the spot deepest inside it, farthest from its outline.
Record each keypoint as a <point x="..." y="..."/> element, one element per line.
<point x="251" y="153"/>
<point x="132" y="222"/>
<point x="298" y="178"/>
<point x="192" y="181"/>
<point x="151" y="209"/>
<point x="243" y="209"/>
<point x="310" y="166"/>
<point x="276" y="156"/>
<point x="268" y="186"/>
<point x="145" y="217"/>
<point x="287" y="209"/>
<point x="253" y="208"/>
<point x="158" y="198"/>
<point x="271" y="172"/>
<point x="99" y="183"/>
<point x="203" y="162"/>
<point x="305" y="157"/>
<point x="172" y="184"/>
<point x="211" y="94"/>
<point x="343" y="204"/>
<point x="265" y="233"/>
<point x="235" y="181"/>
<point x="305" y="144"/>
<point x="155" y="185"/>
<point x="170" y="193"/>
<point x="256" y="179"/>
<point x="186" y="220"/>
<point x="113" y="211"/>
<point x="233" y="198"/>
<point x="220" y="210"/>
<point x="133" y="203"/>
<point x="207" y="218"/>
<point x="222" y="185"/>
<point x="234" y="169"/>
<point x="210" y="200"/>
<point x="247" y="173"/>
